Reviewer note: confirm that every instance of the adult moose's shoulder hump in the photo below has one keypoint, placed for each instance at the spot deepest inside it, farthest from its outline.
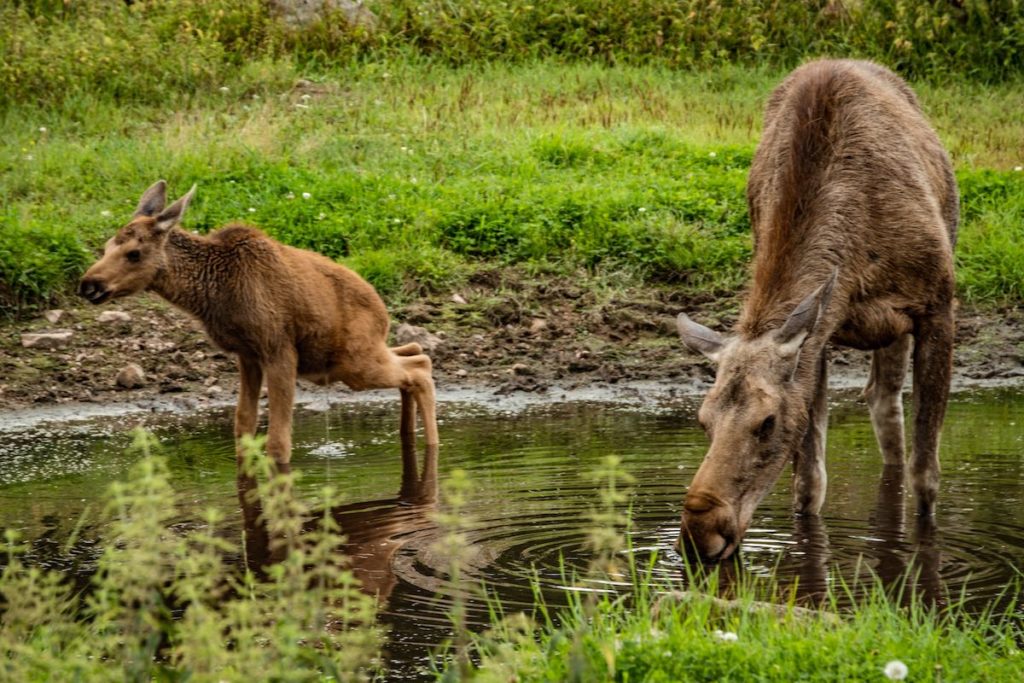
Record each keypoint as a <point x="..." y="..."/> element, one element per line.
<point x="284" y="312"/>
<point x="854" y="210"/>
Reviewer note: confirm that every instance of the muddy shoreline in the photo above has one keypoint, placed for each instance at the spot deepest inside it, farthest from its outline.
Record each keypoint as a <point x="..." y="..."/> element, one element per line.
<point x="505" y="338"/>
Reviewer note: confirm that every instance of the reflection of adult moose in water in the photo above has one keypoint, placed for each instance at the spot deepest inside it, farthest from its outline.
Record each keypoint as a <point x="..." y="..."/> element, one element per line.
<point x="375" y="530"/>
<point x="908" y="564"/>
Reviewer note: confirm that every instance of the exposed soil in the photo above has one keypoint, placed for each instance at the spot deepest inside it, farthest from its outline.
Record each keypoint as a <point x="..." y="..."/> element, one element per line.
<point x="513" y="333"/>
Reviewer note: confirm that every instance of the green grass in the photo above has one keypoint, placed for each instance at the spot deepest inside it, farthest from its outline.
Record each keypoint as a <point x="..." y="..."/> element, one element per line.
<point x="418" y="174"/>
<point x="646" y="638"/>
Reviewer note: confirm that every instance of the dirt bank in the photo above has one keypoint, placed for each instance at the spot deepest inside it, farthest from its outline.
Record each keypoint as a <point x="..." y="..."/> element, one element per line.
<point x="504" y="332"/>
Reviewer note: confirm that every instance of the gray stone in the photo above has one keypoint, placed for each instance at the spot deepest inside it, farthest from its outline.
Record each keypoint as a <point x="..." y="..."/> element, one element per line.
<point x="53" y="316"/>
<point x="461" y="372"/>
<point x="109" y="317"/>
<point x="130" y="376"/>
<point x="538" y="325"/>
<point x="406" y="334"/>
<point x="302" y="13"/>
<point x="458" y="299"/>
<point x="53" y="339"/>
<point x="521" y="369"/>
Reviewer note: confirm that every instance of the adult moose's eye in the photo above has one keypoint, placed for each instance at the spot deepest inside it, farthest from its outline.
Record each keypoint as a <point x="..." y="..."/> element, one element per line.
<point x="134" y="256"/>
<point x="766" y="427"/>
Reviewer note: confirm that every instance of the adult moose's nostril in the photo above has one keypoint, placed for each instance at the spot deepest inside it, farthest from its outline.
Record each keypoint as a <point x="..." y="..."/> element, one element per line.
<point x="93" y="290"/>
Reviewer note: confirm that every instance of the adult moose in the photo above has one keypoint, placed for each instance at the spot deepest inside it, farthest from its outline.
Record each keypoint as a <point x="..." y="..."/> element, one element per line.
<point x="284" y="312"/>
<point x="854" y="210"/>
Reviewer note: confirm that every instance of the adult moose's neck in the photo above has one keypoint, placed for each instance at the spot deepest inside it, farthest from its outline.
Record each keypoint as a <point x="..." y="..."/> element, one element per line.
<point x="182" y="280"/>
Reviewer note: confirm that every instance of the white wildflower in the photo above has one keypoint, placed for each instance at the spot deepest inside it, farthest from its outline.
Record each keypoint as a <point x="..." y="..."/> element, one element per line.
<point x="306" y="195"/>
<point x="305" y="97"/>
<point x="106" y="213"/>
<point x="1018" y="168"/>
<point x="29" y="157"/>
<point x="252" y="209"/>
<point x="396" y="221"/>
<point x="642" y="209"/>
<point x="290" y="195"/>
<point x="712" y="154"/>
<point x="255" y="96"/>
<point x="320" y="216"/>
<point x="726" y="636"/>
<point x="42" y="129"/>
<point x="223" y="88"/>
<point x="895" y="670"/>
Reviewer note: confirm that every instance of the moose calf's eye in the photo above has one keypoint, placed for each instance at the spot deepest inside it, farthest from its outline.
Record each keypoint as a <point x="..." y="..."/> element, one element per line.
<point x="766" y="427"/>
<point x="134" y="255"/>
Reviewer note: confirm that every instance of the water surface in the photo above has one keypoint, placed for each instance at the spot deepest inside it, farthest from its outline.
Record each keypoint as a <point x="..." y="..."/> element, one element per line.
<point x="529" y="496"/>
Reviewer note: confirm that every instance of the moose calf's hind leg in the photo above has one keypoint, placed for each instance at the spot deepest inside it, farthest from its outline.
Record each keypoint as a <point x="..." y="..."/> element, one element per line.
<point x="933" y="361"/>
<point x="407" y="427"/>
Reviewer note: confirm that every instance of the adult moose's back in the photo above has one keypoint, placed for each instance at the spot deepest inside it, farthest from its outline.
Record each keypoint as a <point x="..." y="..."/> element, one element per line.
<point x="854" y="210"/>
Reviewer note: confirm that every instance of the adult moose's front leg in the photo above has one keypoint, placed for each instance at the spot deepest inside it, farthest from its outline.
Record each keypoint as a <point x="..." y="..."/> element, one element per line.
<point x="247" y="411"/>
<point x="933" y="365"/>
<point x="809" y="476"/>
<point x="885" y="399"/>
<point x="281" y="375"/>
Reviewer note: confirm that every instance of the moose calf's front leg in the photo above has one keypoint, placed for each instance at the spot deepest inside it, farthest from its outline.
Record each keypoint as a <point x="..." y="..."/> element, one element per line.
<point x="281" y="375"/>
<point x="933" y="365"/>
<point x="247" y="411"/>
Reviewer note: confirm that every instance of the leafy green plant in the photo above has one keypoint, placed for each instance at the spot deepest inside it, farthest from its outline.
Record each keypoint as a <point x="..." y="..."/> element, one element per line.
<point x="165" y="605"/>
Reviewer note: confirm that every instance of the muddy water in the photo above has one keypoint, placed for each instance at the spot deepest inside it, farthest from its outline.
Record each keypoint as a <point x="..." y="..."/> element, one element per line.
<point x="529" y="496"/>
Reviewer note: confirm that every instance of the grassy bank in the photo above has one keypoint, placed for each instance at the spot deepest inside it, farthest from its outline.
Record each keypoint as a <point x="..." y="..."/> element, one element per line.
<point x="418" y="174"/>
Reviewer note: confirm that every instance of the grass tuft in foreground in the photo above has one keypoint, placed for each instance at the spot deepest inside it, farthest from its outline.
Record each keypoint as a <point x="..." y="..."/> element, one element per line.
<point x="164" y="604"/>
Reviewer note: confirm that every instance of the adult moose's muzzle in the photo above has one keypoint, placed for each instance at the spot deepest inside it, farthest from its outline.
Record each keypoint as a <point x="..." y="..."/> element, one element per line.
<point x="710" y="529"/>
<point x="93" y="290"/>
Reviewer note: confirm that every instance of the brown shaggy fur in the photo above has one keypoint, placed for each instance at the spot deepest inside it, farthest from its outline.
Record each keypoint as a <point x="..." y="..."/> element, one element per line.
<point x="854" y="210"/>
<point x="284" y="312"/>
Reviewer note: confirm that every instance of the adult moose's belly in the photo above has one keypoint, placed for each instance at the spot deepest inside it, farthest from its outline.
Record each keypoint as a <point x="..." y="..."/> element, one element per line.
<point x="873" y="325"/>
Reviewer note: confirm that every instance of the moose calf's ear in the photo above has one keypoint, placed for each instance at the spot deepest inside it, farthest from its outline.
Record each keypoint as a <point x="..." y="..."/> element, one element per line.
<point x="699" y="338"/>
<point x="153" y="200"/>
<point x="802" y="321"/>
<point x="171" y="216"/>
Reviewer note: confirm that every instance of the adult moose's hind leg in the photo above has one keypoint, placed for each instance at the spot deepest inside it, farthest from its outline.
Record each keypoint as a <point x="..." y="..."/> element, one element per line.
<point x="885" y="400"/>
<point x="933" y="365"/>
<point x="809" y="476"/>
<point x="247" y="412"/>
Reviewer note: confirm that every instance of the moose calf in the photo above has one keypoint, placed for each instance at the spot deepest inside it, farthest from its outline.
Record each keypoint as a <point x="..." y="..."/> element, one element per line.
<point x="284" y="312"/>
<point x="854" y="209"/>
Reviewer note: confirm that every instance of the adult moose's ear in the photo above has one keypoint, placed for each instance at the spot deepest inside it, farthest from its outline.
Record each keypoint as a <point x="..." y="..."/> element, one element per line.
<point x="153" y="200"/>
<point x="699" y="338"/>
<point x="171" y="216"/>
<point x="802" y="321"/>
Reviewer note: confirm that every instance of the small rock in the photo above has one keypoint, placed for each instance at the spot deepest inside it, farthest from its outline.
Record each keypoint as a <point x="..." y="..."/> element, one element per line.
<point x="53" y="339"/>
<point x="407" y="333"/>
<point x="130" y="376"/>
<point x="538" y="325"/>
<point x="461" y="372"/>
<point x="53" y="316"/>
<point x="213" y="390"/>
<point x="522" y="369"/>
<point x="108" y="317"/>
<point x="198" y="356"/>
<point x="458" y="299"/>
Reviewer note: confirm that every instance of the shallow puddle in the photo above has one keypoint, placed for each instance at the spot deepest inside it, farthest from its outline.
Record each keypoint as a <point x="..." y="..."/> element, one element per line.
<point x="529" y="495"/>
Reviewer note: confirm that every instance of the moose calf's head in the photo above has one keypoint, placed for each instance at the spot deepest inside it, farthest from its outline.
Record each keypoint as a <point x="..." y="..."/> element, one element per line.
<point x="135" y="255"/>
<point x="755" y="416"/>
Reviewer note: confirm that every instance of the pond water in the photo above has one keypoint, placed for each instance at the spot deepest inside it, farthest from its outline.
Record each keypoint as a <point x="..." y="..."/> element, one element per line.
<point x="529" y="495"/>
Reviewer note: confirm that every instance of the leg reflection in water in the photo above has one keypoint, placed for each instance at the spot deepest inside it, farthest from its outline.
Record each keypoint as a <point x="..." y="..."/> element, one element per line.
<point x="375" y="530"/>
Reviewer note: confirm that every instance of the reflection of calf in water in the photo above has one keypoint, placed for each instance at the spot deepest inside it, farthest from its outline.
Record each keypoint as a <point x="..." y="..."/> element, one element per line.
<point x="375" y="530"/>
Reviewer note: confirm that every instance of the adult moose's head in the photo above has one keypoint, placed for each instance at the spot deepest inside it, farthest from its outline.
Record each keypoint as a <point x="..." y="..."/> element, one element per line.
<point x="135" y="255"/>
<point x="755" y="415"/>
